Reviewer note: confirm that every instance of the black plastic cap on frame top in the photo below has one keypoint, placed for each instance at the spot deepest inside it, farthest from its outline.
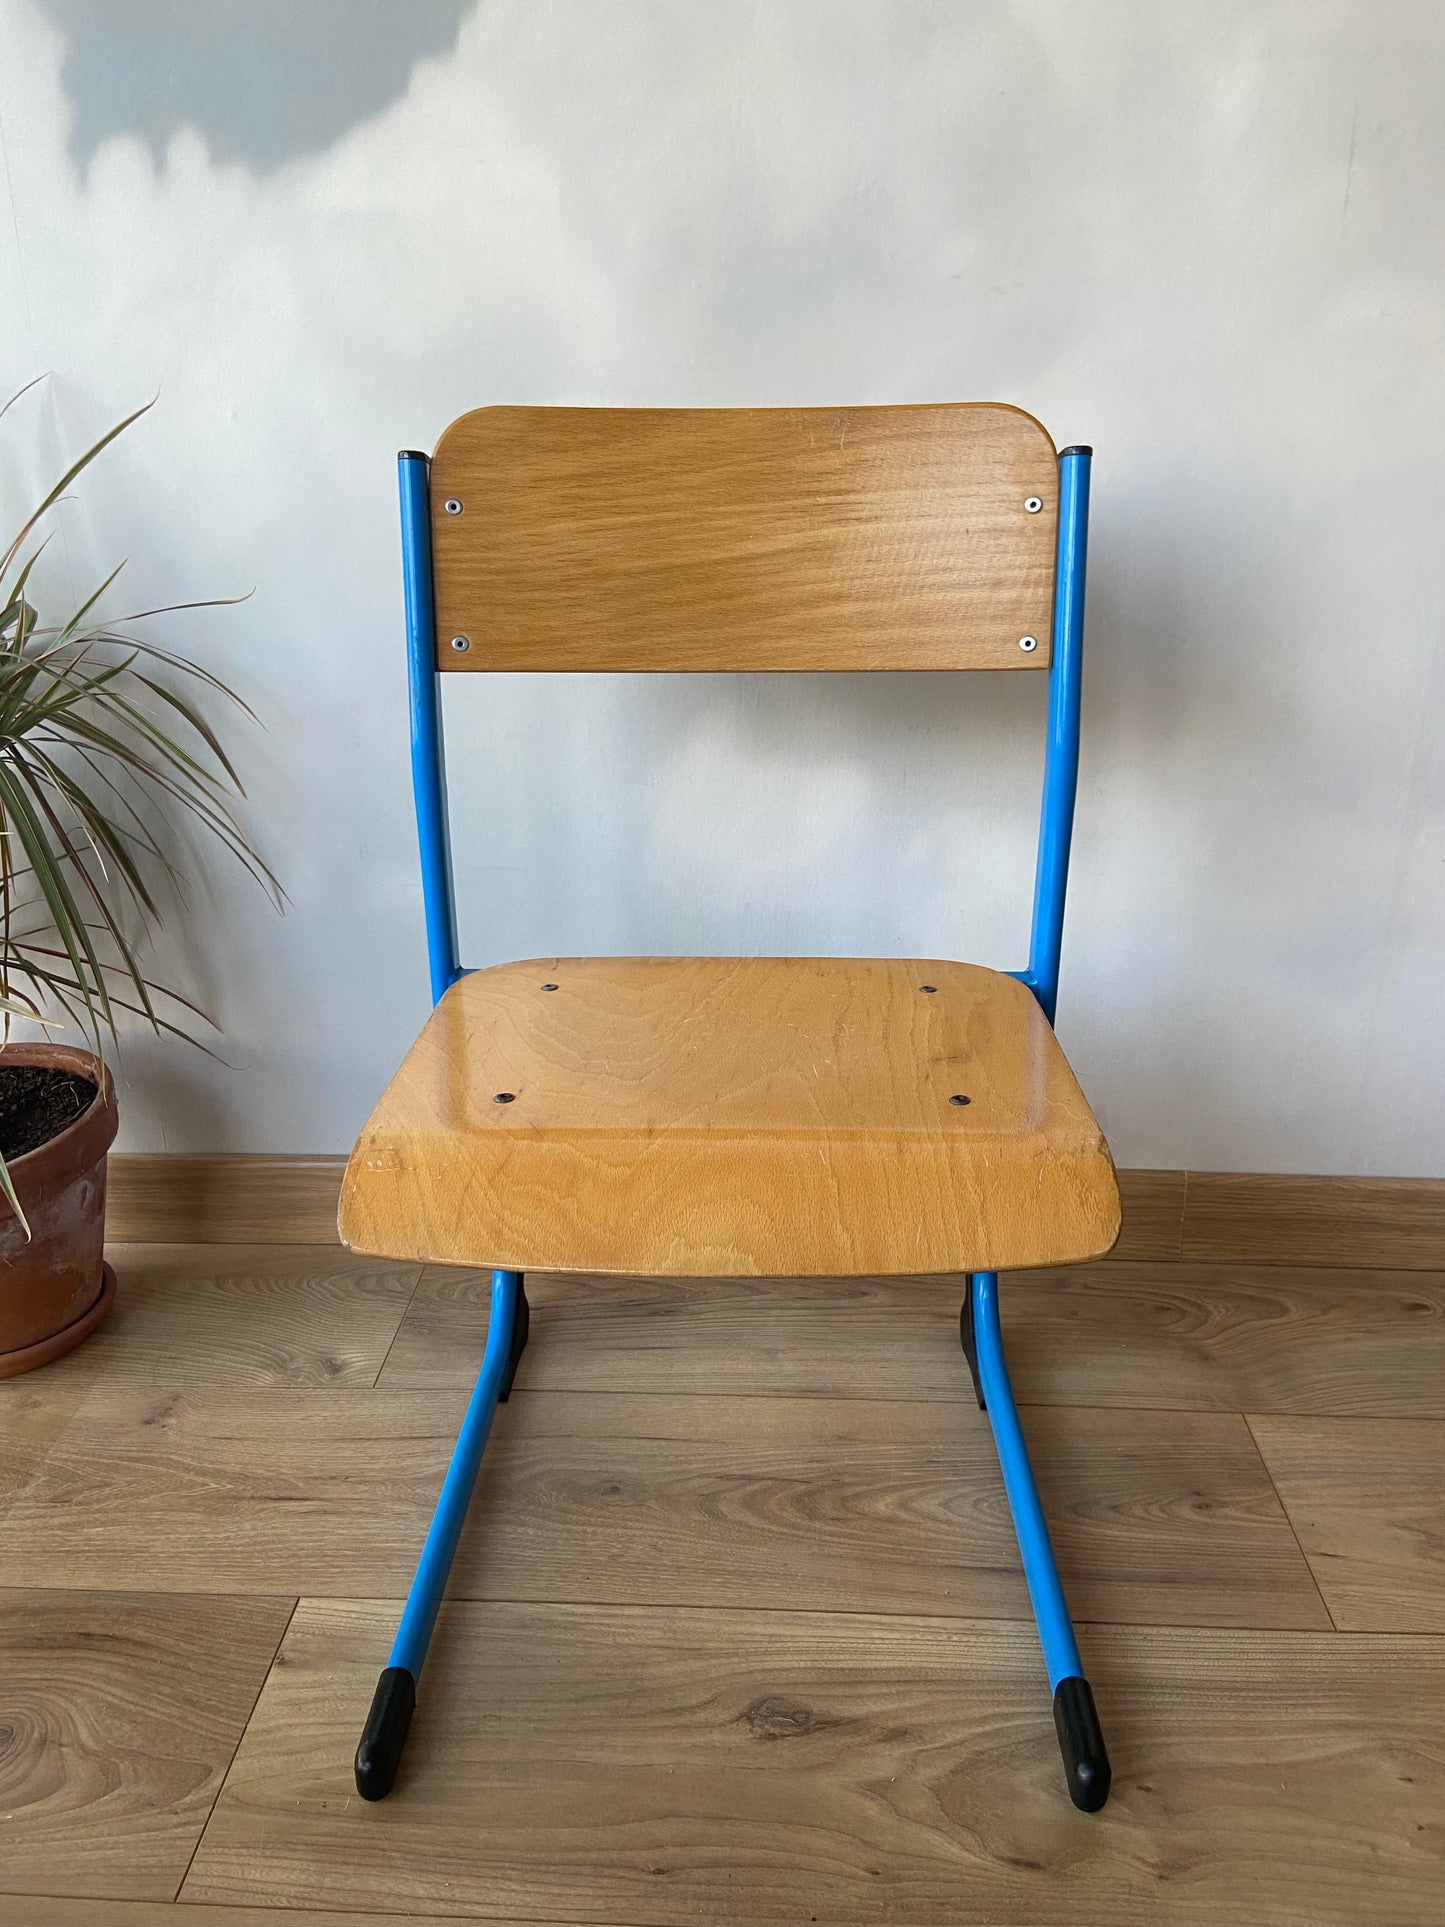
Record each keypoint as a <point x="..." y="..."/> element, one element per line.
<point x="411" y="455"/>
<point x="1079" y="448"/>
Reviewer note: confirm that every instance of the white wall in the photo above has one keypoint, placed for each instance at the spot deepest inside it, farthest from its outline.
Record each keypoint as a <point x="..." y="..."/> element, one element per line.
<point x="1206" y="238"/>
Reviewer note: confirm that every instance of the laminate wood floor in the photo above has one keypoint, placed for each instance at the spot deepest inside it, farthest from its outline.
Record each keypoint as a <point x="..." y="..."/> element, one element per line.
<point x="737" y="1631"/>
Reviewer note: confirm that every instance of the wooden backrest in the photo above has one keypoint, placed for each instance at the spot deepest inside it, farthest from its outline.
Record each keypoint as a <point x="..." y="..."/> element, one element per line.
<point x="744" y="538"/>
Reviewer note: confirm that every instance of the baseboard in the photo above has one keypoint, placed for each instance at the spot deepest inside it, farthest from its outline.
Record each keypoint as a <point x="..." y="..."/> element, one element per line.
<point x="1153" y="1203"/>
<point x="1395" y="1224"/>
<point x="1211" y="1216"/>
<point x="170" y="1197"/>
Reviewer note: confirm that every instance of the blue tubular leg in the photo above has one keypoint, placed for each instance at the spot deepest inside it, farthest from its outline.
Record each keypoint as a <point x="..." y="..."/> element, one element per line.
<point x="1086" y="1763"/>
<point x="1061" y="748"/>
<point x="379" y="1754"/>
<point x="428" y="774"/>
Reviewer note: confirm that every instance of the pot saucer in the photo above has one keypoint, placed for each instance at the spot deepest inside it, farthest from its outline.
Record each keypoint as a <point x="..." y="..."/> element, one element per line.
<point x="27" y="1357"/>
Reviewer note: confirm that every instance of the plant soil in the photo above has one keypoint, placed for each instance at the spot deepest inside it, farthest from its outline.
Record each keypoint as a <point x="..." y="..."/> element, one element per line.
<point x="37" y="1104"/>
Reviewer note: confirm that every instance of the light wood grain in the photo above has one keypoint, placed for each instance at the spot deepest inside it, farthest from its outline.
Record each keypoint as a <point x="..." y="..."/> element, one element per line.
<point x="221" y="1198"/>
<point x="120" y="1716"/>
<point x="1229" y="1338"/>
<point x="852" y="1504"/>
<point x="744" y="538"/>
<point x="302" y="1315"/>
<point x="1184" y="1337"/>
<point x="834" y="1504"/>
<point x="34" y="1411"/>
<point x="31" y="1910"/>
<point x="1398" y="1223"/>
<point x="796" y="1337"/>
<point x="1367" y="1499"/>
<point x="678" y="1767"/>
<point x="724" y="1116"/>
<point x="767" y="1762"/>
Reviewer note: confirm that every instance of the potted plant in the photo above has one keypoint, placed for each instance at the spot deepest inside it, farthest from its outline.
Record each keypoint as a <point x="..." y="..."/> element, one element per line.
<point x="101" y="743"/>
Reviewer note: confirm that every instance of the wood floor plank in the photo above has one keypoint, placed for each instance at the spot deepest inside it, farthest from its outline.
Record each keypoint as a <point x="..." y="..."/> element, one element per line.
<point x="31" y="1910"/>
<point x="679" y="1751"/>
<point x="888" y="1338"/>
<point x="830" y="1504"/>
<point x="1365" y="1498"/>
<point x="604" y="1765"/>
<point x="1172" y="1336"/>
<point x="34" y="1411"/>
<point x="1230" y="1338"/>
<point x="211" y="1314"/>
<point x="119" y="1717"/>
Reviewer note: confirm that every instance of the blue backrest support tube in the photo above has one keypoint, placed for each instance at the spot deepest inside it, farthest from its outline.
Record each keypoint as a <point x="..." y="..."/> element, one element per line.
<point x="1061" y="749"/>
<point x="428" y="771"/>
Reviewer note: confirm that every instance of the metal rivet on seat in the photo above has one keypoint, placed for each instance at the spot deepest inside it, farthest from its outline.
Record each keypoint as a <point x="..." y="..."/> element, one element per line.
<point x="453" y="506"/>
<point x="510" y="1097"/>
<point x="928" y="989"/>
<point x="1033" y="505"/>
<point x="549" y="986"/>
<point x="1027" y="643"/>
<point x="957" y="1099"/>
<point x="459" y="643"/>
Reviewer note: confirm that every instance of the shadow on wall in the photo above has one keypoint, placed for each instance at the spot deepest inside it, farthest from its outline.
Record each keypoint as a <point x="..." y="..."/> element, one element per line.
<point x="263" y="80"/>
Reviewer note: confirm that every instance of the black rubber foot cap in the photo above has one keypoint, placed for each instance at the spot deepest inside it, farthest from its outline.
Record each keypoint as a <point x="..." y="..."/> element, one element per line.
<point x="1086" y="1764"/>
<point x="379" y="1755"/>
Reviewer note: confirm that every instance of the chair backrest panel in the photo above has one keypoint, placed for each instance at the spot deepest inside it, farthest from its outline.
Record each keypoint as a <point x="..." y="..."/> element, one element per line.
<point x="744" y="539"/>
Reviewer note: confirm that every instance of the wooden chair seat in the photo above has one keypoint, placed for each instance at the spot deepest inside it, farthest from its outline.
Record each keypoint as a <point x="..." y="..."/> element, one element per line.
<point x="734" y="1116"/>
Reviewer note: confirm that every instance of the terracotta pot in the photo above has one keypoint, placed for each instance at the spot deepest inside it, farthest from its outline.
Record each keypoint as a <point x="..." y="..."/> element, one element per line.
<point x="56" y="1287"/>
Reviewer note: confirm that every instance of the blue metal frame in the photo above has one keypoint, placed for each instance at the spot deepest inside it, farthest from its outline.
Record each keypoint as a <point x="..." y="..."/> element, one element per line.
<point x="1086" y="1760"/>
<point x="379" y="1754"/>
<point x="428" y="765"/>
<point x="414" y="1633"/>
<point x="1046" y="1595"/>
<point x="1061" y="744"/>
<point x="1081" y="1743"/>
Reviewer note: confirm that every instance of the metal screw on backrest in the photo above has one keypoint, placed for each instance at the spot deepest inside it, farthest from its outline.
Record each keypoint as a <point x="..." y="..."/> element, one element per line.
<point x="452" y="506"/>
<point x="958" y="1100"/>
<point x="549" y="986"/>
<point x="505" y="1097"/>
<point x="459" y="643"/>
<point x="928" y="990"/>
<point x="1033" y="505"/>
<point x="1027" y="643"/>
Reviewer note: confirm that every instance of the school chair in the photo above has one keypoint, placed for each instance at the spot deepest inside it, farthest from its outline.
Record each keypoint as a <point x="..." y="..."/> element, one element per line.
<point x="740" y="1116"/>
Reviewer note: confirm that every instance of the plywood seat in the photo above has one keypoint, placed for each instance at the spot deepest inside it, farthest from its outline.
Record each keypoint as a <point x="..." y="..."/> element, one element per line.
<point x="726" y="1116"/>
